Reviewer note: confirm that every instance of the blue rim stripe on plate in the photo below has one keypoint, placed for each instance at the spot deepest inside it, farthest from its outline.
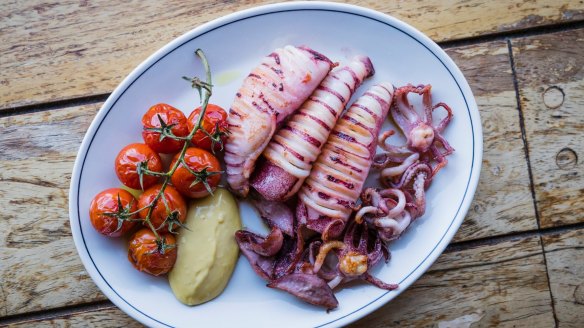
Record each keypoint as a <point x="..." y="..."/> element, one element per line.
<point x="242" y="19"/>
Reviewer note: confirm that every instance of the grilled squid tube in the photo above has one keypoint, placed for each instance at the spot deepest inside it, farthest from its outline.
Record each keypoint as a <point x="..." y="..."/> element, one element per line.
<point x="289" y="156"/>
<point x="328" y="195"/>
<point x="271" y="92"/>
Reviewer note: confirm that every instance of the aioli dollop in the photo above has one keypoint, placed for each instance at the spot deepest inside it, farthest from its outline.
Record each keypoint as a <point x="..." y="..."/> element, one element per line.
<point x="207" y="251"/>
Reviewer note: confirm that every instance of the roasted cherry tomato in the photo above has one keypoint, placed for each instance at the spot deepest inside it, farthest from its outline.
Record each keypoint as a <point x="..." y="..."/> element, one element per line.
<point x="201" y="177"/>
<point x="173" y="121"/>
<point x="152" y="256"/>
<point x="167" y="217"/>
<point x="214" y="123"/>
<point x="109" y="212"/>
<point x="132" y="161"/>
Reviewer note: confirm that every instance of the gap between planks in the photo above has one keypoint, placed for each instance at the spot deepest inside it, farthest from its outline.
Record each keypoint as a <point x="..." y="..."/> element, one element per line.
<point x="523" y="134"/>
<point x="530" y="173"/>
<point x="473" y="243"/>
<point x="53" y="105"/>
<point x="454" y="247"/>
<point x="505" y="35"/>
<point x="515" y="34"/>
<point x="55" y="313"/>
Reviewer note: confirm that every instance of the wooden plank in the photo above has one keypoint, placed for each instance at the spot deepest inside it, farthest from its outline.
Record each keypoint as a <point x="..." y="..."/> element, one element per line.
<point x="109" y="317"/>
<point x="40" y="266"/>
<point x="503" y="202"/>
<point x="550" y="76"/>
<point x="37" y="151"/>
<point x="500" y="285"/>
<point x="564" y="254"/>
<point x="59" y="50"/>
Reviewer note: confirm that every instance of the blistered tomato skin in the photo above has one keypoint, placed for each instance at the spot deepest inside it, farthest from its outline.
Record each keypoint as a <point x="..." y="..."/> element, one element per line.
<point x="214" y="122"/>
<point x="147" y="256"/>
<point x="127" y="162"/>
<point x="198" y="160"/>
<point x="170" y="116"/>
<point x="106" y="202"/>
<point x="175" y="202"/>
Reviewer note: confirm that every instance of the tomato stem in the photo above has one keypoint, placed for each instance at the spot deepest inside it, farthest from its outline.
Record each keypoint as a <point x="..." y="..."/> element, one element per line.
<point x="165" y="130"/>
<point x="205" y="91"/>
<point x="122" y="214"/>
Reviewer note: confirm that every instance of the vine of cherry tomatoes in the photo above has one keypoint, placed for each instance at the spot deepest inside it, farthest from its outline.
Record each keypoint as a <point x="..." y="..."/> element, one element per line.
<point x="161" y="207"/>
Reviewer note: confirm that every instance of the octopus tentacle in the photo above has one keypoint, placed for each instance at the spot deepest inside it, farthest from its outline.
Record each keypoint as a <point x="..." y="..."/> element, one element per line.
<point x="448" y="149"/>
<point x="383" y="137"/>
<point x="391" y="149"/>
<point x="427" y="102"/>
<point x="441" y="160"/>
<point x="398" y="225"/>
<point x="444" y="122"/>
<point x="401" y="203"/>
<point x="335" y="281"/>
<point x="378" y="283"/>
<point x="403" y="112"/>
<point x="383" y="160"/>
<point x="323" y="251"/>
<point x="372" y="196"/>
<point x="411" y="172"/>
<point x="396" y="152"/>
<point x="366" y="210"/>
<point x="420" y="190"/>
<point x="377" y="252"/>
<point x="418" y="128"/>
<point x="391" y="172"/>
<point x="363" y="241"/>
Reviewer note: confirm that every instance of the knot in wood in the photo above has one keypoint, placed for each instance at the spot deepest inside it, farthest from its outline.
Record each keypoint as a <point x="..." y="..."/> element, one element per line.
<point x="566" y="158"/>
<point x="479" y="209"/>
<point x="553" y="97"/>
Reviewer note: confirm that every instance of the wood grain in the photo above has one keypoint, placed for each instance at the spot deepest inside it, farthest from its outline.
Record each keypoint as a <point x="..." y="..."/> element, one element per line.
<point x="40" y="266"/>
<point x="550" y="76"/>
<point x="564" y="253"/>
<point x="503" y="202"/>
<point x="110" y="317"/>
<point x="37" y="151"/>
<point x="68" y="49"/>
<point x="500" y="285"/>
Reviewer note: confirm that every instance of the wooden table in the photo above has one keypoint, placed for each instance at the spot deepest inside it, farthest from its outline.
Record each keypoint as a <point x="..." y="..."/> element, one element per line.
<point x="518" y="259"/>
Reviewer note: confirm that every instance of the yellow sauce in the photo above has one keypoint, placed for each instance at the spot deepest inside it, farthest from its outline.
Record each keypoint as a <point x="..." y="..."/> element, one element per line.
<point x="207" y="251"/>
<point x="226" y="77"/>
<point x="136" y="193"/>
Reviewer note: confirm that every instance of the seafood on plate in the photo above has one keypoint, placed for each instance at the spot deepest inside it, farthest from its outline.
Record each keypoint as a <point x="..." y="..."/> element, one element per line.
<point x="326" y="229"/>
<point x="297" y="265"/>
<point x="269" y="94"/>
<point x="288" y="158"/>
<point x="329" y="194"/>
<point x="407" y="171"/>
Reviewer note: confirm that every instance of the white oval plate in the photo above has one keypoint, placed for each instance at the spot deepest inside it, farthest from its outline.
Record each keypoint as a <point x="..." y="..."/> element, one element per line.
<point x="234" y="45"/>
